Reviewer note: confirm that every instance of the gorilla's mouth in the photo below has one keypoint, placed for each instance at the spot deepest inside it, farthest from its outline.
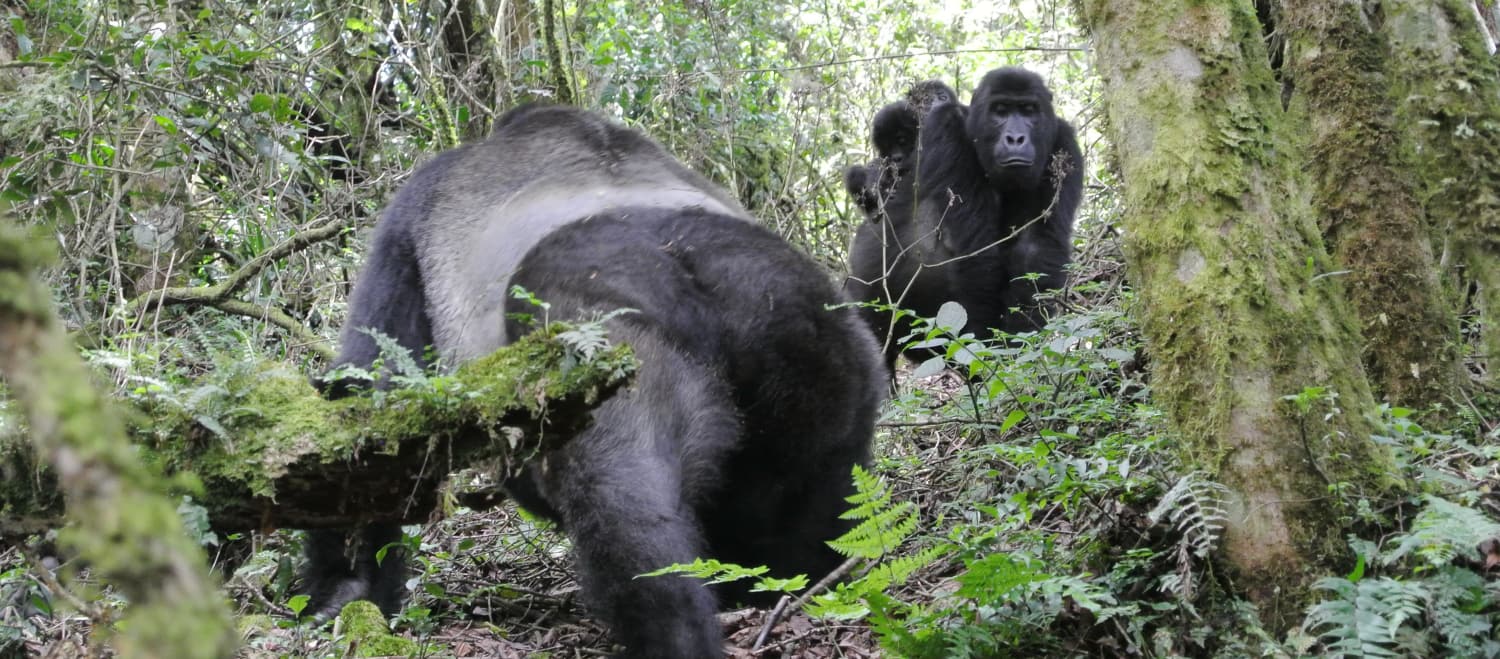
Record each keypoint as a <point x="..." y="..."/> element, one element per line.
<point x="1015" y="161"/>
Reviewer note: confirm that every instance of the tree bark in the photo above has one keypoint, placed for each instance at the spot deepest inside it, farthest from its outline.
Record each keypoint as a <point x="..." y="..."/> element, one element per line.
<point x="1234" y="303"/>
<point x="123" y="526"/>
<point x="1367" y="202"/>
<point x="1447" y="88"/>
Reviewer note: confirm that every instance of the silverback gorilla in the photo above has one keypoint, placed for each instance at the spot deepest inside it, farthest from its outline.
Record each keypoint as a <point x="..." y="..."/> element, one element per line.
<point x="996" y="188"/>
<point x="751" y="403"/>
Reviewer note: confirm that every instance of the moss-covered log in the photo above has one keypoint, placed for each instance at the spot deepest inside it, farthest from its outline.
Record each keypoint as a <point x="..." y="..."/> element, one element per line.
<point x="1447" y="88"/>
<point x="1226" y="255"/>
<point x="290" y="458"/>
<point x="123" y="525"/>
<point x="1367" y="201"/>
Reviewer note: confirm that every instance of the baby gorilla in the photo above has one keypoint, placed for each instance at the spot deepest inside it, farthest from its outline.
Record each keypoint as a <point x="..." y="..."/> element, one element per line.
<point x="894" y="132"/>
<point x="752" y="401"/>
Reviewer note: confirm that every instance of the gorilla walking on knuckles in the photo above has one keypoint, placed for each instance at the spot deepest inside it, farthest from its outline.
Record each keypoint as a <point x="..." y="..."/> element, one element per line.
<point x="996" y="190"/>
<point x="751" y="403"/>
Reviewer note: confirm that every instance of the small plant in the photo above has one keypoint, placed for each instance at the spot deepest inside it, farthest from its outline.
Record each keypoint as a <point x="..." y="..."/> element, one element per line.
<point x="1431" y="601"/>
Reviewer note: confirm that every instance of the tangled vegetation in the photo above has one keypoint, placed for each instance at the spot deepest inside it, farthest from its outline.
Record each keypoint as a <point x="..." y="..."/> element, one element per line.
<point x="209" y="172"/>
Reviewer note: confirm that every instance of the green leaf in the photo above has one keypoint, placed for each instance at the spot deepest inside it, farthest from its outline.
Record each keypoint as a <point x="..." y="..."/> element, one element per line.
<point x="166" y="124"/>
<point x="261" y="103"/>
<point x="929" y="368"/>
<point x="952" y="317"/>
<point x="1012" y="419"/>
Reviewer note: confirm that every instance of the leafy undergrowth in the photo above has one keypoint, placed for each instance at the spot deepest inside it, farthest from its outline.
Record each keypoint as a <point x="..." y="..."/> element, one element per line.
<point x="1026" y="501"/>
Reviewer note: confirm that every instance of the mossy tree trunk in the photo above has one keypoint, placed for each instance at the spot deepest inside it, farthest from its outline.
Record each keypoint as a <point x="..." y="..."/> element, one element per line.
<point x="1447" y="93"/>
<point x="1367" y="201"/>
<point x="122" y="523"/>
<point x="1226" y="255"/>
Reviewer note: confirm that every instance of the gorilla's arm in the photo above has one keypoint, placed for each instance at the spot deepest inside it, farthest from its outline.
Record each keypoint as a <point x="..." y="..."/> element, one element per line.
<point x="1048" y="247"/>
<point x="388" y="297"/>
<point x="954" y="198"/>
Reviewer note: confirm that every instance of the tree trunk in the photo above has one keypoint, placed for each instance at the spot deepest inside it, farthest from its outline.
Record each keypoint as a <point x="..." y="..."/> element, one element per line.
<point x="123" y="525"/>
<point x="1226" y="256"/>
<point x="1367" y="201"/>
<point x="1447" y="87"/>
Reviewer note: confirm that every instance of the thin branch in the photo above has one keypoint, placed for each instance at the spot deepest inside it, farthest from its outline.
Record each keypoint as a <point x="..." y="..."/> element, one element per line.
<point x="219" y="296"/>
<point x="238" y="279"/>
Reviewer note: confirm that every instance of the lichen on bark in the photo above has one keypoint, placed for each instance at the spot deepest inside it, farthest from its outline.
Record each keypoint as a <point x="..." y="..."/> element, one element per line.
<point x="1225" y="254"/>
<point x="1367" y="201"/>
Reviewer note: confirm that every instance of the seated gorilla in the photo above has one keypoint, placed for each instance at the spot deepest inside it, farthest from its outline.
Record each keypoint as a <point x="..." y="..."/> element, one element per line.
<point x="751" y="403"/>
<point x="996" y="191"/>
<point x="894" y="133"/>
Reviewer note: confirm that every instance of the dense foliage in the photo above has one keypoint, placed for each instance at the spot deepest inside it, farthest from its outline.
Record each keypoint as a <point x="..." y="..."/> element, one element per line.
<point x="1026" y="501"/>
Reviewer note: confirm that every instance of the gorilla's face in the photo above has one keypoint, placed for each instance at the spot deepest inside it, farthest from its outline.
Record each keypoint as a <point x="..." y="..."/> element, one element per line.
<point x="1013" y="127"/>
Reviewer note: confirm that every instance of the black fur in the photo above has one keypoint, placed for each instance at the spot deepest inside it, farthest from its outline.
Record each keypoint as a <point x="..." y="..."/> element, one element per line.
<point x="752" y="402"/>
<point x="894" y="132"/>
<point x="1004" y="165"/>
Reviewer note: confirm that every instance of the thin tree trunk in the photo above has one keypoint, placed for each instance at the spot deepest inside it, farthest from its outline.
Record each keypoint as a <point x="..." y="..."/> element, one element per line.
<point x="123" y="524"/>
<point x="1226" y="256"/>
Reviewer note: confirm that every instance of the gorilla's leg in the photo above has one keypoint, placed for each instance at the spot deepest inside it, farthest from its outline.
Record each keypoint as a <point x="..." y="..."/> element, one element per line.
<point x="342" y="568"/>
<point x="621" y="492"/>
<point x="388" y="298"/>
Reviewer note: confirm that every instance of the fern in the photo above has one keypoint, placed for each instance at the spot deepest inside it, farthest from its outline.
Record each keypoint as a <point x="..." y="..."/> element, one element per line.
<point x="878" y="534"/>
<point x="1442" y="531"/>
<point x="885" y="526"/>
<point x="713" y="572"/>
<point x="587" y="339"/>
<point x="397" y="359"/>
<point x="1457" y="605"/>
<point x="1364" y="617"/>
<point x="1438" y="608"/>
<point x="1194" y="506"/>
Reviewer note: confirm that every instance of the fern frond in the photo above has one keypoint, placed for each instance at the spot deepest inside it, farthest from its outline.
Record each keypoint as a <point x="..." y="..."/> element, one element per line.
<point x="396" y="357"/>
<point x="1194" y="505"/>
<point x="1364" y="618"/>
<point x="1442" y="531"/>
<point x="878" y="534"/>
<point x="870" y="495"/>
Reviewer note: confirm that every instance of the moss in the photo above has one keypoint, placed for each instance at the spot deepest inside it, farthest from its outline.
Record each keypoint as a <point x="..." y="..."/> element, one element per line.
<point x="1446" y="87"/>
<point x="1369" y="208"/>
<point x="1224" y="252"/>
<point x="122" y="526"/>
<point x="364" y="628"/>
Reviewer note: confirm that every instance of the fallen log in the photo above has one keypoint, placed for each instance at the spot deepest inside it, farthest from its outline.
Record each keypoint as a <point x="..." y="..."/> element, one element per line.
<point x="279" y="455"/>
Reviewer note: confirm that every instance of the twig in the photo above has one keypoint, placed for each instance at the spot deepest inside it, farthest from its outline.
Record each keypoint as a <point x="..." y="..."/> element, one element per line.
<point x="236" y="280"/>
<point x="775" y="615"/>
<point x="219" y="296"/>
